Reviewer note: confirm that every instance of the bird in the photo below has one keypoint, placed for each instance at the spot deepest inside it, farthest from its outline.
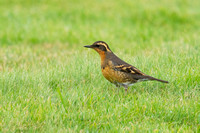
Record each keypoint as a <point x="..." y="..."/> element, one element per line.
<point x="118" y="71"/>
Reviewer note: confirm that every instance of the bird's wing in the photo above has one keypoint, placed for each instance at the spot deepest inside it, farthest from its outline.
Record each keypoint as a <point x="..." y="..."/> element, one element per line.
<point x="120" y="65"/>
<point x="128" y="69"/>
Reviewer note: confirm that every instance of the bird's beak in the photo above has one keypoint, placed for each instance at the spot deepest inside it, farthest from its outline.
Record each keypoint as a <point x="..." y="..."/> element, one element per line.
<point x="88" y="46"/>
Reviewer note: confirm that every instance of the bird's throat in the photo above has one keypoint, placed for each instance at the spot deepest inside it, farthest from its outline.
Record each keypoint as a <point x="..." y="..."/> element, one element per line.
<point x="103" y="57"/>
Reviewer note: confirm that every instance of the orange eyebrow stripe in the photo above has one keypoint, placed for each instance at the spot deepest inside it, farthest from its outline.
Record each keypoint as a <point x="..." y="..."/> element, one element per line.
<point x="105" y="46"/>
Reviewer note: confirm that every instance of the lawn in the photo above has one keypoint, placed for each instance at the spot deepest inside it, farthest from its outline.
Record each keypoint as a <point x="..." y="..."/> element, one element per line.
<point x="50" y="83"/>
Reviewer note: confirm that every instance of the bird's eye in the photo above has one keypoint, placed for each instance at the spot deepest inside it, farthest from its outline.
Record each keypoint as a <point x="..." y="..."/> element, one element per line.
<point x="97" y="45"/>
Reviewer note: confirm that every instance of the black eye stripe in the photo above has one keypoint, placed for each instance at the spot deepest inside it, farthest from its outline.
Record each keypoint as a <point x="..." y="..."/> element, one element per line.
<point x="101" y="46"/>
<point x="98" y="46"/>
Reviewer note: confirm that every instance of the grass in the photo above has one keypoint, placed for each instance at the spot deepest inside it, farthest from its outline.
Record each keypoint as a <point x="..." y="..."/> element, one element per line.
<point x="50" y="83"/>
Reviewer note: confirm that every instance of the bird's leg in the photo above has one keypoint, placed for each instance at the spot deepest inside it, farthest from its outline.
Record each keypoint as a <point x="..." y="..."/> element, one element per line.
<point x="126" y="88"/>
<point x="117" y="85"/>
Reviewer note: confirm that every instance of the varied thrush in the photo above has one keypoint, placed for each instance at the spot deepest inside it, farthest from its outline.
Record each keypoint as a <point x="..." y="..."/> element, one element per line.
<point x="116" y="70"/>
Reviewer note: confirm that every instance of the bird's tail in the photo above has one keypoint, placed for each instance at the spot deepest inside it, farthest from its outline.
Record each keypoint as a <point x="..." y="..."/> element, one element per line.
<point x="160" y="80"/>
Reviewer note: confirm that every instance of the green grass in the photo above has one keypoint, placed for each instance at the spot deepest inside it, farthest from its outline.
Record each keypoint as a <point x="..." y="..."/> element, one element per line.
<point x="50" y="83"/>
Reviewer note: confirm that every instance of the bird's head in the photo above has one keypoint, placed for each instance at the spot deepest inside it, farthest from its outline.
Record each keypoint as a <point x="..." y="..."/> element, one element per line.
<point x="100" y="46"/>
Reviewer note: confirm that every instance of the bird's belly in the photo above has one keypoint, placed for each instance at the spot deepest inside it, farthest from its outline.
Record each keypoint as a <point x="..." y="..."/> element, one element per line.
<point x="115" y="76"/>
<point x="127" y="83"/>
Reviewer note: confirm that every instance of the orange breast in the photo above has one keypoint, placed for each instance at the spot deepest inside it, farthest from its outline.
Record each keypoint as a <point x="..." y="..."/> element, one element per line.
<point x="108" y="73"/>
<point x="114" y="76"/>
